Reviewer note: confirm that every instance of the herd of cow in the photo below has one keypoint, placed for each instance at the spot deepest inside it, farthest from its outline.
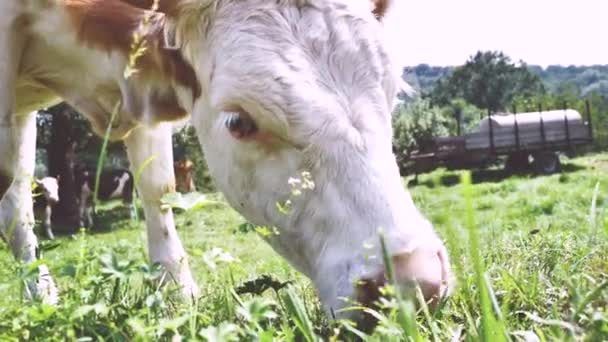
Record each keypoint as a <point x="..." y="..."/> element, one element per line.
<point x="274" y="89"/>
<point x="115" y="183"/>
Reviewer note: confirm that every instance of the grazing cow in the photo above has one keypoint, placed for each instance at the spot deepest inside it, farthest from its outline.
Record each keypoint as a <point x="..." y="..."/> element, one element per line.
<point x="184" y="182"/>
<point x="113" y="184"/>
<point x="275" y="89"/>
<point x="44" y="200"/>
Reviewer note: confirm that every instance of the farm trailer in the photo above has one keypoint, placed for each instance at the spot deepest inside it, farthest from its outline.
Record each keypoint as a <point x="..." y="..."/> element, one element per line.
<point x="527" y="140"/>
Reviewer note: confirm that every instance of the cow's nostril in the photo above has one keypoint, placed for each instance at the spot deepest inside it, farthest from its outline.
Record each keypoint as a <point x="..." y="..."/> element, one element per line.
<point x="240" y="125"/>
<point x="427" y="268"/>
<point x="368" y="293"/>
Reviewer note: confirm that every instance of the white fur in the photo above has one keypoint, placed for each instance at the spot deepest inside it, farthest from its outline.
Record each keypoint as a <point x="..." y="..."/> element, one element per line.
<point x="50" y="188"/>
<point x="156" y="179"/>
<point x="50" y="191"/>
<point x="321" y="81"/>
<point x="16" y="208"/>
<point x="122" y="180"/>
<point x="55" y="65"/>
<point x="317" y="78"/>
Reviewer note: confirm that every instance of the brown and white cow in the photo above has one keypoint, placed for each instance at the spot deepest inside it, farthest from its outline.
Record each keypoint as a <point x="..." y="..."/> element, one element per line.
<point x="114" y="183"/>
<point x="275" y="88"/>
<point x="184" y="180"/>
<point x="44" y="199"/>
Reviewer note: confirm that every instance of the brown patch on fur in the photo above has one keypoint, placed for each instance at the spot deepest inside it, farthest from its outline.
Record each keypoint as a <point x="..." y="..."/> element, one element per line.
<point x="167" y="107"/>
<point x="169" y="7"/>
<point x="110" y="24"/>
<point x="380" y="7"/>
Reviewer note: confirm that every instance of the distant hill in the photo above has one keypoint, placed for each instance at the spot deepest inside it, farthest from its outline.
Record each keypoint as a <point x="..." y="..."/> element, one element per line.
<point x="582" y="80"/>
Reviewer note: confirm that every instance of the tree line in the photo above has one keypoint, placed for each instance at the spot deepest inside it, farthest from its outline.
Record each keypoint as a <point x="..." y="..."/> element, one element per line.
<point x="490" y="81"/>
<point x="556" y="79"/>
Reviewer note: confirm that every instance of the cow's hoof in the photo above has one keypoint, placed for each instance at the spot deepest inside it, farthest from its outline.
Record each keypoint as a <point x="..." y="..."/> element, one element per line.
<point x="44" y="289"/>
<point x="50" y="235"/>
<point x="190" y="291"/>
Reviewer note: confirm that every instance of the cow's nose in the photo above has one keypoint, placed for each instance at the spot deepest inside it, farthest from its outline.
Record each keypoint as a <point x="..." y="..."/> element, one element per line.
<point x="427" y="268"/>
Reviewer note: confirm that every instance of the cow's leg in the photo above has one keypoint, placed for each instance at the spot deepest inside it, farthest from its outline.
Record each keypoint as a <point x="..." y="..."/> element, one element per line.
<point x="11" y="45"/>
<point x="152" y="146"/>
<point x="46" y="223"/>
<point x="16" y="208"/>
<point x="82" y="211"/>
<point x="127" y="197"/>
<point x="17" y="156"/>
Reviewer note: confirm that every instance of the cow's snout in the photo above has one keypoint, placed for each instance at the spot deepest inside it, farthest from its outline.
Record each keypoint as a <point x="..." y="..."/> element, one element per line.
<point x="427" y="267"/>
<point x="53" y="200"/>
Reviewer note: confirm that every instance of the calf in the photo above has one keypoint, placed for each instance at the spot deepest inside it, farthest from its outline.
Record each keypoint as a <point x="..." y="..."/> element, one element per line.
<point x="184" y="182"/>
<point x="44" y="200"/>
<point x="276" y="90"/>
<point x="113" y="184"/>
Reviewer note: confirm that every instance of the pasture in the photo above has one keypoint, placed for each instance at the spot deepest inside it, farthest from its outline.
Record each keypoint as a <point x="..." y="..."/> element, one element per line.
<point x="543" y="242"/>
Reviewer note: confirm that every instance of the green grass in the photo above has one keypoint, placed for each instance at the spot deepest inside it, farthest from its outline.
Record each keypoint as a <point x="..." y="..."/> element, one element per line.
<point x="540" y="268"/>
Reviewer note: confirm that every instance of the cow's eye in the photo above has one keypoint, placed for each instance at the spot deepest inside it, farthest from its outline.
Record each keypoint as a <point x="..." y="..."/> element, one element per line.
<point x="240" y="124"/>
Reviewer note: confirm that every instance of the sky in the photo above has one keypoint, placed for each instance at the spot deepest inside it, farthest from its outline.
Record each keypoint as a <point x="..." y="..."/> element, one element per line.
<point x="541" y="32"/>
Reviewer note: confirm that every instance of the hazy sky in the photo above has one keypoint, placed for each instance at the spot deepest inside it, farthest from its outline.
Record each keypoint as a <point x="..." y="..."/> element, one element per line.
<point x="447" y="32"/>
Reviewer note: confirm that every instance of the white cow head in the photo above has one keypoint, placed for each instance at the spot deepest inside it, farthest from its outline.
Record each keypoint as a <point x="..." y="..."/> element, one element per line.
<point x="50" y="189"/>
<point x="297" y="86"/>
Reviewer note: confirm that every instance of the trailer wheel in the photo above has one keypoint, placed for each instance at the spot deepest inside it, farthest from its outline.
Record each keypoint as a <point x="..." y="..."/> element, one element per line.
<point x="518" y="161"/>
<point x="546" y="162"/>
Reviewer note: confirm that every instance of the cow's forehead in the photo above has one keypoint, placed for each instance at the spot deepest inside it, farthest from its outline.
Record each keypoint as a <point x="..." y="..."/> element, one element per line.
<point x="49" y="184"/>
<point x="296" y="60"/>
<point x="305" y="42"/>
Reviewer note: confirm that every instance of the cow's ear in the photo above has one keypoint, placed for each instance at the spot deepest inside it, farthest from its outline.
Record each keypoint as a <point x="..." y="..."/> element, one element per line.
<point x="380" y="8"/>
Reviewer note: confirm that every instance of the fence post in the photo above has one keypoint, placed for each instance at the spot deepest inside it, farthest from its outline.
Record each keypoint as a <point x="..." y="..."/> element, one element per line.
<point x="567" y="125"/>
<point x="542" y="125"/>
<point x="516" y="128"/>
<point x="491" y="131"/>
<point x="589" y="125"/>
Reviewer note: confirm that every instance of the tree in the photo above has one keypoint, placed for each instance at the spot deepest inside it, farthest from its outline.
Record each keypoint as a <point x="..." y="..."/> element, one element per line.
<point x="61" y="156"/>
<point x="489" y="80"/>
<point x="414" y="125"/>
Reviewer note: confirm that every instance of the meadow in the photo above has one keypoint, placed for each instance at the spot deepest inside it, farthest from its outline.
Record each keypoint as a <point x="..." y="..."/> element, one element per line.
<point x="530" y="253"/>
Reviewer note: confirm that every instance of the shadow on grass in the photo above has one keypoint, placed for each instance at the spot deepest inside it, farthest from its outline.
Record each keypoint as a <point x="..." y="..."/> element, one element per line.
<point x="107" y="220"/>
<point x="452" y="177"/>
<point x="112" y="219"/>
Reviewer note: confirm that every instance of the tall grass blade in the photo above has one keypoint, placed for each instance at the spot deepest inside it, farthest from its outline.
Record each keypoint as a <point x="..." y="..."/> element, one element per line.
<point x="427" y="315"/>
<point x="490" y="329"/>
<point x="297" y="312"/>
<point x="406" y="310"/>
<point x="136" y="178"/>
<point x="593" y="215"/>
<point x="102" y="154"/>
<point x="589" y="298"/>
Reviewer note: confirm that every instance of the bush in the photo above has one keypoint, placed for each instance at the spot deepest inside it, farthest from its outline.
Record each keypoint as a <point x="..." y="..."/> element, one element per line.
<point x="470" y="115"/>
<point x="414" y="125"/>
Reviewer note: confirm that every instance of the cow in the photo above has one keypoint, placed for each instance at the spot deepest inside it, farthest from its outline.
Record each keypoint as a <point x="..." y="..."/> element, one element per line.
<point x="275" y="90"/>
<point x="44" y="200"/>
<point x="184" y="182"/>
<point x="114" y="183"/>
